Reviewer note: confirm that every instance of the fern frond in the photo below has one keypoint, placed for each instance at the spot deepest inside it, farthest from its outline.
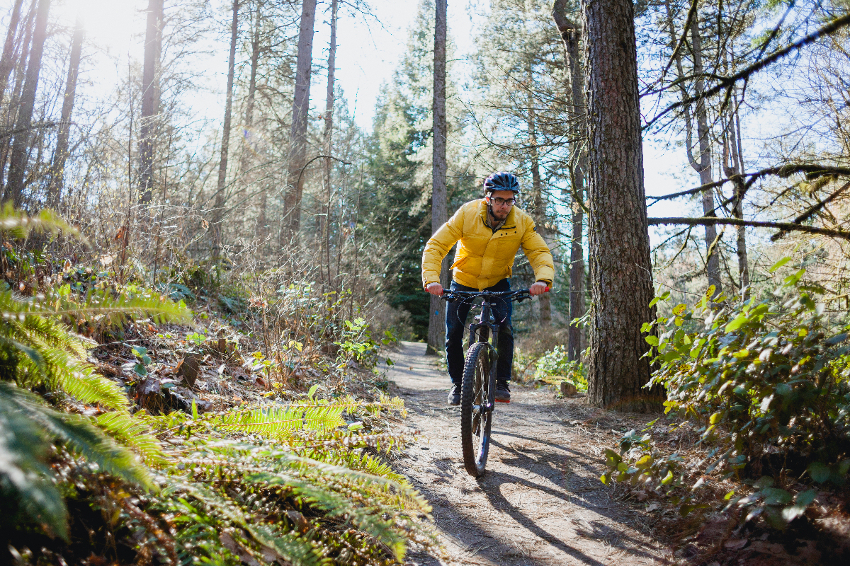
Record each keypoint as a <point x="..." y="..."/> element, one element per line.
<point x="133" y="433"/>
<point x="298" y="551"/>
<point x="360" y="462"/>
<point x="330" y="494"/>
<point x="19" y="224"/>
<point x="383" y="508"/>
<point x="61" y="367"/>
<point x="102" y="303"/>
<point x="276" y="421"/>
<point x="348" y="440"/>
<point x="98" y="303"/>
<point x="88" y="387"/>
<point x="80" y="435"/>
<point x="24" y="474"/>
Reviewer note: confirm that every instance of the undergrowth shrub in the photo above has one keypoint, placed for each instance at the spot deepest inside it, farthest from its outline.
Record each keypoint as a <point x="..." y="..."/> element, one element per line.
<point x="303" y="483"/>
<point x="39" y="351"/>
<point x="554" y="367"/>
<point x="766" y="383"/>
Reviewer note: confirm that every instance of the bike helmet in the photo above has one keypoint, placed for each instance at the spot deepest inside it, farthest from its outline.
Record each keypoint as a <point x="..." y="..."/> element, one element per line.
<point x="501" y="181"/>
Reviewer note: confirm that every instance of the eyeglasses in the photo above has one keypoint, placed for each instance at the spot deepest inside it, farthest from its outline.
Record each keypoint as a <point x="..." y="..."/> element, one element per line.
<point x="503" y="201"/>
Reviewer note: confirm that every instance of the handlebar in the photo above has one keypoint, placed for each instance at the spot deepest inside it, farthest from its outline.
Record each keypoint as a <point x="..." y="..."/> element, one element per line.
<point x="519" y="295"/>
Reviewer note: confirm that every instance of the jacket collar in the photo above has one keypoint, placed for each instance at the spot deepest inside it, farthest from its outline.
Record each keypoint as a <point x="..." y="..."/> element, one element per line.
<point x="510" y="221"/>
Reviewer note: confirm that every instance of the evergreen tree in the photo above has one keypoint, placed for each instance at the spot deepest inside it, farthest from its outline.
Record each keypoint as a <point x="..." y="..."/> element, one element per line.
<point x="400" y="167"/>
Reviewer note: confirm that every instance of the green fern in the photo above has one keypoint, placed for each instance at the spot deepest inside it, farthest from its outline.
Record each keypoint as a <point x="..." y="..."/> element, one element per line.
<point x="18" y="224"/>
<point x="362" y="462"/>
<point x="28" y="429"/>
<point x="382" y="507"/>
<point x="25" y="479"/>
<point x="322" y="466"/>
<point x="299" y="551"/>
<point x="133" y="433"/>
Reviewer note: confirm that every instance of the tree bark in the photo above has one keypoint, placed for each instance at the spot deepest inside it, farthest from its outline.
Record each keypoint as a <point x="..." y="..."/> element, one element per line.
<point x="261" y="228"/>
<point x="150" y="88"/>
<point x="291" y="218"/>
<point x="620" y="265"/>
<point x="23" y="125"/>
<point x="218" y="206"/>
<point x="324" y="249"/>
<point x="11" y="106"/>
<point x="7" y="62"/>
<point x="578" y="127"/>
<point x="703" y="167"/>
<point x="539" y="204"/>
<point x="60" y="155"/>
<point x="733" y="167"/>
<point x="439" y="204"/>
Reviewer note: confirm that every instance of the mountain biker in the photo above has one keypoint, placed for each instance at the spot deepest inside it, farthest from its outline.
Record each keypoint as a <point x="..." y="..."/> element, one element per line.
<point x="490" y="231"/>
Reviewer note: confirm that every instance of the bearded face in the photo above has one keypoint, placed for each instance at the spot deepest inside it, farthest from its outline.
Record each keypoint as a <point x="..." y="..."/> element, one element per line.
<point x="499" y="204"/>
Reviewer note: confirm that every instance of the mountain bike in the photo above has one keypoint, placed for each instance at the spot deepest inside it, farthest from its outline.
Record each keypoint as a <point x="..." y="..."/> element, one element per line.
<point x="478" y="388"/>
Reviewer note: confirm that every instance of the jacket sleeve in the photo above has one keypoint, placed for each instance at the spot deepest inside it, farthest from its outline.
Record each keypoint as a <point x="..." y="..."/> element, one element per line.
<point x="439" y="246"/>
<point x="538" y="255"/>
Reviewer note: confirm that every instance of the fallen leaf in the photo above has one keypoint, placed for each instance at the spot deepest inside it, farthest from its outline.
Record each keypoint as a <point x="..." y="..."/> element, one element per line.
<point x="736" y="544"/>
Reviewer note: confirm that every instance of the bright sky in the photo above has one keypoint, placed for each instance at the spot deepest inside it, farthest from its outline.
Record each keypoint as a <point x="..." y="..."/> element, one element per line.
<point x="369" y="50"/>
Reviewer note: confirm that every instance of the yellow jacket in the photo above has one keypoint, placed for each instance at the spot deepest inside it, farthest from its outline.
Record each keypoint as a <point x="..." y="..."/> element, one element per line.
<point x="485" y="257"/>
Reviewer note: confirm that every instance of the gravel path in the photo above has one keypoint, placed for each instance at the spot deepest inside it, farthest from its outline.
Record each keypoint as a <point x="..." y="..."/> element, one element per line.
<point x="540" y="502"/>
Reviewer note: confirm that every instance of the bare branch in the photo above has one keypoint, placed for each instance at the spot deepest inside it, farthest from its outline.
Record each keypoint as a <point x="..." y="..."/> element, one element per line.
<point x="812" y="210"/>
<point x="745" y="73"/>
<point x="812" y="171"/>
<point x="786" y="226"/>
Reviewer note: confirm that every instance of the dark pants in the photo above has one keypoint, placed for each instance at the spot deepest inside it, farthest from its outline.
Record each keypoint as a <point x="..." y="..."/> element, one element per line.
<point x="456" y="313"/>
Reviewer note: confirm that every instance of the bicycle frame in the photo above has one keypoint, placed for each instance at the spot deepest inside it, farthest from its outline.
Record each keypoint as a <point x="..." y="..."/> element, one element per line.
<point x="485" y="329"/>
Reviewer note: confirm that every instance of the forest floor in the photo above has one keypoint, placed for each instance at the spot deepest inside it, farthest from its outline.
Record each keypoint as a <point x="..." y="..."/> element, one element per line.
<point x="540" y="501"/>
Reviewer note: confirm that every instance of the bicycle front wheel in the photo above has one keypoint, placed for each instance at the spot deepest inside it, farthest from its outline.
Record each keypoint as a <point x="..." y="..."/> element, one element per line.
<point x="476" y="414"/>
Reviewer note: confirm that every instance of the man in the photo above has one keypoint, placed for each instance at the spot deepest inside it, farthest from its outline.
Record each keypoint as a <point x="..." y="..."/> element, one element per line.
<point x="490" y="231"/>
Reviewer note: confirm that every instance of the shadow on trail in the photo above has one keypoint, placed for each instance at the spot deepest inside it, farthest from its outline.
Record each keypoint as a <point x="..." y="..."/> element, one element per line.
<point x="476" y="538"/>
<point x="493" y="480"/>
<point x="584" y="462"/>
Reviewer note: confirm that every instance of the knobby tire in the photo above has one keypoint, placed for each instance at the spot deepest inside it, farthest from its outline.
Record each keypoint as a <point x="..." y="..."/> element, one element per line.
<point x="475" y="425"/>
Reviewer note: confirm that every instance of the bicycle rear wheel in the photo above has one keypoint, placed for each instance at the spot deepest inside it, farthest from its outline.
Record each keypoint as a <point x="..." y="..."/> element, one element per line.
<point x="476" y="415"/>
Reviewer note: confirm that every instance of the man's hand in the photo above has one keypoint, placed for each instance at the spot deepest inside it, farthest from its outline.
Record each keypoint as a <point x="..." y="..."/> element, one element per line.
<point x="538" y="288"/>
<point x="435" y="289"/>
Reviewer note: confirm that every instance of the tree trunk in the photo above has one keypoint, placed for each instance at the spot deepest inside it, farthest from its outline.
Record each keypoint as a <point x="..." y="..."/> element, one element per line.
<point x="733" y="167"/>
<point x="291" y="218"/>
<point x="23" y="125"/>
<point x="703" y="165"/>
<point x="57" y="170"/>
<point x="439" y="204"/>
<point x="578" y="127"/>
<point x="324" y="247"/>
<point x="539" y="203"/>
<point x="261" y="229"/>
<point x="218" y="206"/>
<point x="620" y="266"/>
<point x="12" y="106"/>
<point x="7" y="62"/>
<point x="147" y="121"/>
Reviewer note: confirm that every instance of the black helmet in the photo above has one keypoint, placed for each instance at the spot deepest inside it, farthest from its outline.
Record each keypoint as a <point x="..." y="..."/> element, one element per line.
<point x="501" y="181"/>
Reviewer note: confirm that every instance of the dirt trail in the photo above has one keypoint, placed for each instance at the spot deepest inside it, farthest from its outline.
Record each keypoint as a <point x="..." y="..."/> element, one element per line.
<point x="540" y="502"/>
